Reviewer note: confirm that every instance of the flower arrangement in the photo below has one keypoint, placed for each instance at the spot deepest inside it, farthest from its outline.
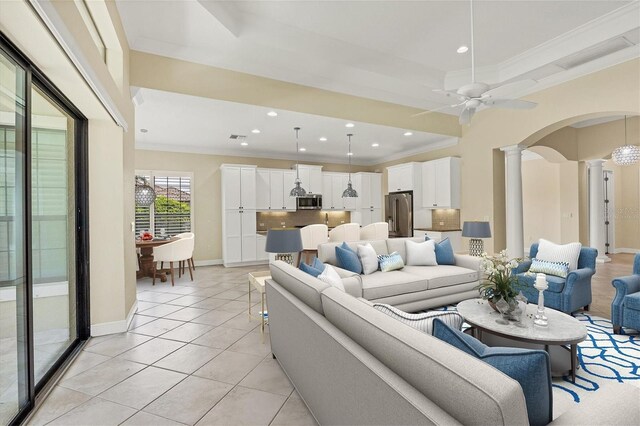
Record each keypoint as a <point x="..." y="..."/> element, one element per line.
<point x="499" y="282"/>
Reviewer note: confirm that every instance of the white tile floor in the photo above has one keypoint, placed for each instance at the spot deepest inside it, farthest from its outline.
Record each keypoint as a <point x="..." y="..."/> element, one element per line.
<point x="191" y="356"/>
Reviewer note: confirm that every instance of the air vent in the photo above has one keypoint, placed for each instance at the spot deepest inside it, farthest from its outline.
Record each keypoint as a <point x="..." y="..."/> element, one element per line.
<point x="592" y="53"/>
<point x="237" y="137"/>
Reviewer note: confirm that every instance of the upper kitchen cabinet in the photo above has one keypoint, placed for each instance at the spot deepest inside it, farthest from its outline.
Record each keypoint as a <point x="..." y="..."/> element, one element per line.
<point x="441" y="183"/>
<point x="238" y="187"/>
<point x="403" y="177"/>
<point x="333" y="184"/>
<point x="311" y="178"/>
<point x="272" y="189"/>
<point x="369" y="187"/>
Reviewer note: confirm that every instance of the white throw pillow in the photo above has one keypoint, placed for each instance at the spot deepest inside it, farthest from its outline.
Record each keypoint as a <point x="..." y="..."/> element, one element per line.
<point x="331" y="277"/>
<point x="553" y="252"/>
<point x="368" y="258"/>
<point x="422" y="321"/>
<point x="421" y="254"/>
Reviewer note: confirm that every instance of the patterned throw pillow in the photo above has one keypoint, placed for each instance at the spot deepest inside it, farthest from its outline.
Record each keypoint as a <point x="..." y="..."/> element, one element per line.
<point x="559" y="269"/>
<point x="424" y="320"/>
<point x="390" y="262"/>
<point x="331" y="277"/>
<point x="559" y="253"/>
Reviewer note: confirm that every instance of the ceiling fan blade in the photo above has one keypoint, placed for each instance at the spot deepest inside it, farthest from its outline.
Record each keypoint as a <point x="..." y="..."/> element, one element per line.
<point x="451" y="94"/>
<point x="466" y="115"/>
<point x="508" y="89"/>
<point x="510" y="103"/>
<point x="436" y="110"/>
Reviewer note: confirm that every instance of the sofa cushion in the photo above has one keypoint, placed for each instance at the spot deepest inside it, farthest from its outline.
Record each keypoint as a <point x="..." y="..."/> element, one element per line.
<point x="300" y="284"/>
<point x="368" y="258"/>
<point x="384" y="284"/>
<point x="632" y="301"/>
<point x="559" y="253"/>
<point x="556" y="284"/>
<point x="442" y="275"/>
<point x="444" y="253"/>
<point x="348" y="259"/>
<point x="422" y="321"/>
<point x="464" y="387"/>
<point x="327" y="251"/>
<point x="330" y="276"/>
<point x="531" y="368"/>
<point x="398" y="244"/>
<point x="421" y="254"/>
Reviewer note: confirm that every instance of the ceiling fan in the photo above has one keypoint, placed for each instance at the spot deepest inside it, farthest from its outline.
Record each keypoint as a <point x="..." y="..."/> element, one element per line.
<point x="477" y="95"/>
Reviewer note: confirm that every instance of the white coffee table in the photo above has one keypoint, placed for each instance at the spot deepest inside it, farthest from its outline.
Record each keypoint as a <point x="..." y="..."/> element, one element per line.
<point x="562" y="330"/>
<point x="257" y="281"/>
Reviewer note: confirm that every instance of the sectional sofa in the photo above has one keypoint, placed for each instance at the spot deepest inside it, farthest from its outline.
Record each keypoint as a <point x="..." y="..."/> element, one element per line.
<point x="414" y="287"/>
<point x="352" y="364"/>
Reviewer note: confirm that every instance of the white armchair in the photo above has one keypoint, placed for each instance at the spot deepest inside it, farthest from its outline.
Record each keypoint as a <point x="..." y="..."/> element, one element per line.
<point x="375" y="231"/>
<point x="176" y="251"/>
<point x="312" y="236"/>
<point x="345" y="232"/>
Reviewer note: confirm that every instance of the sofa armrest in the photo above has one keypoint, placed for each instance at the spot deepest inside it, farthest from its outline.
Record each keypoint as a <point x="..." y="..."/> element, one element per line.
<point x="522" y="267"/>
<point x="352" y="282"/>
<point x="468" y="261"/>
<point x="626" y="285"/>
<point x="579" y="275"/>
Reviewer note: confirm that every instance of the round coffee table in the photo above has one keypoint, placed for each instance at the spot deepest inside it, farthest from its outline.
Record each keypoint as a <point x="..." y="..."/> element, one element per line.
<point x="562" y="330"/>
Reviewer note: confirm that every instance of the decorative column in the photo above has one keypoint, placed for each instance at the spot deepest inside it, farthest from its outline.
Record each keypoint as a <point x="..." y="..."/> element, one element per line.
<point x="596" y="209"/>
<point x="515" y="228"/>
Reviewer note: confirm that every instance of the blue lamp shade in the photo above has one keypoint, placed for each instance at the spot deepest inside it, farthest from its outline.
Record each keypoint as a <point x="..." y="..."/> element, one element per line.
<point x="476" y="230"/>
<point x="283" y="240"/>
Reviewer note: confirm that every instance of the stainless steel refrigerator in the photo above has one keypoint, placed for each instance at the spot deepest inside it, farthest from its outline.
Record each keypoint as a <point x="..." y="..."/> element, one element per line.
<point x="398" y="213"/>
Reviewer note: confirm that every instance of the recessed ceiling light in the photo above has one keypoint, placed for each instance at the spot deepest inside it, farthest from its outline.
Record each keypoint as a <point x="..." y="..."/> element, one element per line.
<point x="272" y="114"/>
<point x="143" y="130"/>
<point x="349" y="125"/>
<point x="256" y="131"/>
<point x="303" y="149"/>
<point x="323" y="139"/>
<point x="349" y="153"/>
<point x="244" y="143"/>
<point x="375" y="145"/>
<point x="408" y="134"/>
<point x="462" y="49"/>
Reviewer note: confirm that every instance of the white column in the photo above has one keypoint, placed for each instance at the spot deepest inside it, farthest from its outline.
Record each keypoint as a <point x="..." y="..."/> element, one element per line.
<point x="515" y="228"/>
<point x="596" y="209"/>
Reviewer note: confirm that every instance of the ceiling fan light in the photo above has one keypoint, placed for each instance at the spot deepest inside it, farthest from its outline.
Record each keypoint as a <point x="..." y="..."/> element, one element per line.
<point x="626" y="155"/>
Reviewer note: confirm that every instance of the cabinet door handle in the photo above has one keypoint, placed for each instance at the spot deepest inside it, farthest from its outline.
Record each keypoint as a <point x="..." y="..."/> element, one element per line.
<point x="399" y="189"/>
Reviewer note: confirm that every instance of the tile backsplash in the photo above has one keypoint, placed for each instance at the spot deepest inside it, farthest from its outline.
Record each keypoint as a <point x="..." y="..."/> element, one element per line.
<point x="445" y="219"/>
<point x="268" y="220"/>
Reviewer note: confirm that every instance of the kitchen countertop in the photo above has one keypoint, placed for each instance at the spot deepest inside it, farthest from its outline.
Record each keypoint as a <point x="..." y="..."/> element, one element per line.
<point x="264" y="232"/>
<point x="438" y="230"/>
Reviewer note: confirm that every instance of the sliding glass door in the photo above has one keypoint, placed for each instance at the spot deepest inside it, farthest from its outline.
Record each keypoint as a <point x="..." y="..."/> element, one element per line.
<point x="43" y="235"/>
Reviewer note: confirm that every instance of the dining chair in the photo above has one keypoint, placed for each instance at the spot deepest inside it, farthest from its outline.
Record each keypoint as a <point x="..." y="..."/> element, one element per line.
<point x="191" y="236"/>
<point x="375" y="231"/>
<point x="312" y="236"/>
<point x="345" y="232"/>
<point x="177" y="251"/>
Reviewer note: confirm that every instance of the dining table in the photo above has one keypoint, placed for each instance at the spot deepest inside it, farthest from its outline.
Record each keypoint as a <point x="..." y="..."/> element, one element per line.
<point x="146" y="262"/>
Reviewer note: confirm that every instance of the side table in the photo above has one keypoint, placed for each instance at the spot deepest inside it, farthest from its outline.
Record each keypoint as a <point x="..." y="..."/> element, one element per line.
<point x="257" y="281"/>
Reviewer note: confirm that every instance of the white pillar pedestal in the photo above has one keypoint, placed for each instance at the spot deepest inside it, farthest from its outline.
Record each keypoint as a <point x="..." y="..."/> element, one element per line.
<point x="515" y="227"/>
<point x="597" y="236"/>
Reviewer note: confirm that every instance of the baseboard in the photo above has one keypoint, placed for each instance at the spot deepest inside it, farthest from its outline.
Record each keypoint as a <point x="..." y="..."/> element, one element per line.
<point x="254" y="263"/>
<point x="626" y="250"/>
<point x="114" y="327"/>
<point x="211" y="262"/>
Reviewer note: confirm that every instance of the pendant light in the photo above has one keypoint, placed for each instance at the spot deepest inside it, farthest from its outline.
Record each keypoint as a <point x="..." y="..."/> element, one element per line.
<point x="627" y="154"/>
<point x="297" y="191"/>
<point x="349" y="192"/>
<point x="145" y="195"/>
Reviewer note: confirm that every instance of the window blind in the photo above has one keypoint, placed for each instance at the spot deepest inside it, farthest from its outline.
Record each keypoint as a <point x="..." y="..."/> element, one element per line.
<point x="172" y="209"/>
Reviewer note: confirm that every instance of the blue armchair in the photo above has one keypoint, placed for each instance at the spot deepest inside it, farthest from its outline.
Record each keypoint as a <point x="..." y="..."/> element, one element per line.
<point x="625" y="307"/>
<point x="564" y="294"/>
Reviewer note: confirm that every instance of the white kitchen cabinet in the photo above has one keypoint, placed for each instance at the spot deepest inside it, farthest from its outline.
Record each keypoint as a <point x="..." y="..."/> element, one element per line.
<point x="401" y="177"/>
<point x="248" y="219"/>
<point x="261" y="243"/>
<point x="369" y="187"/>
<point x="239" y="201"/>
<point x="333" y="184"/>
<point x="272" y="190"/>
<point x="366" y="216"/>
<point x="311" y="178"/>
<point x="238" y="187"/>
<point x="277" y="190"/>
<point x="263" y="189"/>
<point x="289" y="178"/>
<point x="327" y="192"/>
<point x="441" y="183"/>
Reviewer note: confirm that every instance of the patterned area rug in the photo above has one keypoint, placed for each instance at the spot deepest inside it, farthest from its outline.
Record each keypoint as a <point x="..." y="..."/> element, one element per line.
<point x="603" y="357"/>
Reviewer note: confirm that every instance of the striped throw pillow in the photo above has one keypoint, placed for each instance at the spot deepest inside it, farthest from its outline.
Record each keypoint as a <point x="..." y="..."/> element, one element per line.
<point x="559" y="269"/>
<point x="424" y="320"/>
<point x="390" y="262"/>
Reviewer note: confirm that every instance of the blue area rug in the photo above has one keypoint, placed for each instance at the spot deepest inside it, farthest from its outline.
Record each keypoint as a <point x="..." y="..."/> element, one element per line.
<point x="603" y="358"/>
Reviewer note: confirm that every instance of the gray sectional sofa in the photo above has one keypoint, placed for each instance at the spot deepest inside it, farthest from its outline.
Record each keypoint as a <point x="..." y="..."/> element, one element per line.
<point x="354" y="365"/>
<point x="414" y="287"/>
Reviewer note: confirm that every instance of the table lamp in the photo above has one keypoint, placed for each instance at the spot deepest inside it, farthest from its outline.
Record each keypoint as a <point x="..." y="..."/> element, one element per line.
<point x="476" y="231"/>
<point x="284" y="242"/>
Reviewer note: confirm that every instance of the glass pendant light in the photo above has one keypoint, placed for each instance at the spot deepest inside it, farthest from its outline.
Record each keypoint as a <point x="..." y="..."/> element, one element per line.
<point x="627" y="154"/>
<point x="298" y="190"/>
<point x="349" y="192"/>
<point x="145" y="195"/>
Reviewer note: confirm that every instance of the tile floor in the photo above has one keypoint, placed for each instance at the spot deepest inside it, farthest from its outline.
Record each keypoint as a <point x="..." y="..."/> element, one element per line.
<point x="191" y="356"/>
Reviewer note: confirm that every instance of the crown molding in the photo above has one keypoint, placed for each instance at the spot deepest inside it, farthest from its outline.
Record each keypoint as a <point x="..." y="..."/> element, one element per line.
<point x="445" y="143"/>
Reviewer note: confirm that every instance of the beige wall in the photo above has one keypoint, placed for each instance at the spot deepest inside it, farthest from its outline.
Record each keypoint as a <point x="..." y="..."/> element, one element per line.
<point x="207" y="189"/>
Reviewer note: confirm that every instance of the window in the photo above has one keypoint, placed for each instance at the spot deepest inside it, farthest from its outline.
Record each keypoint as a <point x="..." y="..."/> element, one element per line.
<point x="173" y="208"/>
<point x="90" y="23"/>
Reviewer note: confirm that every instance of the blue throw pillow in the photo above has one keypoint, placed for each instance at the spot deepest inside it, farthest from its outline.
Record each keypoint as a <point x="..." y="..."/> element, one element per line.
<point x="531" y="368"/>
<point x="317" y="264"/>
<point x="310" y="270"/>
<point x="348" y="259"/>
<point x="444" y="253"/>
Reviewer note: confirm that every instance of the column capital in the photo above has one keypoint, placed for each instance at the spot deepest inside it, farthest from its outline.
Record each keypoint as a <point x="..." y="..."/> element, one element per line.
<point x="512" y="149"/>
<point x="595" y="163"/>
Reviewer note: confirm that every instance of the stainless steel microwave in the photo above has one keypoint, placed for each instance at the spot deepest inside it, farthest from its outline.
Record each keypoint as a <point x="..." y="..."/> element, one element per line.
<point x="309" y="202"/>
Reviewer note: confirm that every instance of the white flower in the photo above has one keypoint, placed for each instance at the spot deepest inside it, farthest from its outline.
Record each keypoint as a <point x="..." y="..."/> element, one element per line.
<point x="500" y="267"/>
